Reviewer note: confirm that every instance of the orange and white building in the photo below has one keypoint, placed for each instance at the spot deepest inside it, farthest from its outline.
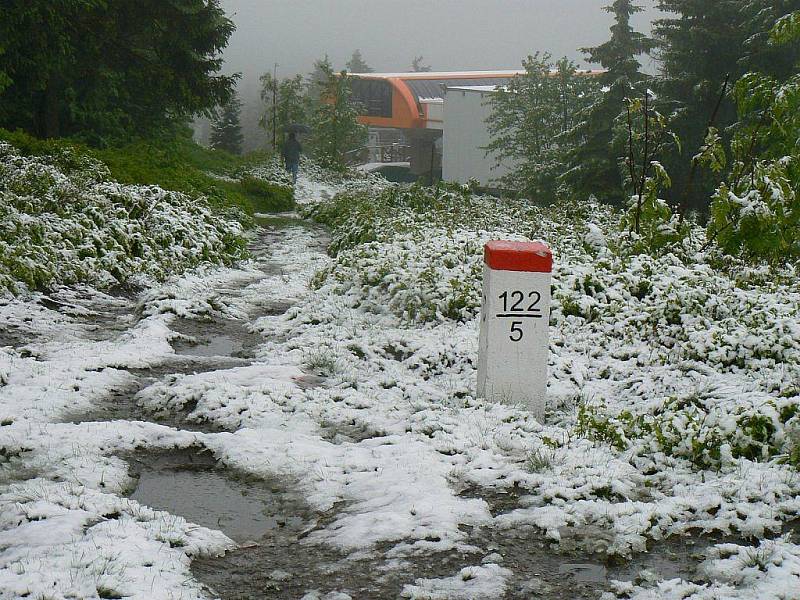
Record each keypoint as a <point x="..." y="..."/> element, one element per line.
<point x="442" y="117"/>
<point x="414" y="103"/>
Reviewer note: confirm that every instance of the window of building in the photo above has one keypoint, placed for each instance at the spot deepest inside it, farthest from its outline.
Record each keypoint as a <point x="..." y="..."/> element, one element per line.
<point x="374" y="96"/>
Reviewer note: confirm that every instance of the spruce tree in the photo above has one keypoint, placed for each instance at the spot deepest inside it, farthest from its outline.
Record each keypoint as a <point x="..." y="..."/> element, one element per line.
<point x="317" y="79"/>
<point x="776" y="60"/>
<point x="418" y="65"/>
<point x="226" y="130"/>
<point x="594" y="161"/>
<point x="703" y="45"/>
<point x="700" y="46"/>
<point x="357" y="64"/>
<point x="106" y="71"/>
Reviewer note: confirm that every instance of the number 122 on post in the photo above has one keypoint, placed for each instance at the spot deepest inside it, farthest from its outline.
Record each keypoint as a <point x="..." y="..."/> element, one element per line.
<point x="517" y="307"/>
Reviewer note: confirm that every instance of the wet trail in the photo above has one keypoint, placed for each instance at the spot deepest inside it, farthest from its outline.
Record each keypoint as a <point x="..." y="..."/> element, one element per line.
<point x="201" y="345"/>
<point x="270" y="520"/>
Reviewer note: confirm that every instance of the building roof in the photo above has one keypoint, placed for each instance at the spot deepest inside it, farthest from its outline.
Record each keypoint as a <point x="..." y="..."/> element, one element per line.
<point x="441" y="74"/>
<point x="472" y="88"/>
<point x="434" y="88"/>
<point x="404" y="100"/>
<point x="429" y="86"/>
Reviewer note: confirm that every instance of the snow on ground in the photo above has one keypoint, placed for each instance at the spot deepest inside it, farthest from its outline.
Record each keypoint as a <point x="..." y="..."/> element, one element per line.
<point x="486" y="581"/>
<point x="66" y="528"/>
<point x="673" y="394"/>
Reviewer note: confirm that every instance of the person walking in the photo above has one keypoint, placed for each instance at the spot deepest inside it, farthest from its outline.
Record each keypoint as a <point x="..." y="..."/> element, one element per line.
<point x="291" y="155"/>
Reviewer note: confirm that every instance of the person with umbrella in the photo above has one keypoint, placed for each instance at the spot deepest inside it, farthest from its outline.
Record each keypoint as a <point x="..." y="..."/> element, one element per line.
<point x="291" y="151"/>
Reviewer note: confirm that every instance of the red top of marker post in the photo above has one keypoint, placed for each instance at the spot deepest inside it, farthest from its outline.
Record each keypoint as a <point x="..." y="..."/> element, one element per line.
<point x="530" y="257"/>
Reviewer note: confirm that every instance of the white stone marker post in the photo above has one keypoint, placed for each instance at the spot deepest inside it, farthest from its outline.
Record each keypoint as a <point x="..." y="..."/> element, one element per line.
<point x="514" y="347"/>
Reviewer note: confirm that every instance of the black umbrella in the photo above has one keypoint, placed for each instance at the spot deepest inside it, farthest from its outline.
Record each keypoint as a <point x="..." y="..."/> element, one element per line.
<point x="297" y="128"/>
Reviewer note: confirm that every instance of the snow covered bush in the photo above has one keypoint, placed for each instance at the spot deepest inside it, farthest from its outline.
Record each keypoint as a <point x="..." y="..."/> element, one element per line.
<point x="756" y="212"/>
<point x="758" y="215"/>
<point x="706" y="428"/>
<point x="271" y="172"/>
<point x="377" y="235"/>
<point x="416" y="254"/>
<point x="649" y="225"/>
<point x="62" y="221"/>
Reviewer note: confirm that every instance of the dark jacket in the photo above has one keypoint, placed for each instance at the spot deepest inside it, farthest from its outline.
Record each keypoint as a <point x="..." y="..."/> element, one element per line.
<point x="291" y="151"/>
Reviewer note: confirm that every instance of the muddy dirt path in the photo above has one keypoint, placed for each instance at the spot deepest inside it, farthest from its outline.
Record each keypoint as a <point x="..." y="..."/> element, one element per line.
<point x="269" y="518"/>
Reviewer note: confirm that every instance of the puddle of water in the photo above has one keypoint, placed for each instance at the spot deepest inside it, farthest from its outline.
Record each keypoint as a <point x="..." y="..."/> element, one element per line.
<point x="500" y="501"/>
<point x="584" y="572"/>
<point x="578" y="560"/>
<point x="578" y="574"/>
<point x="286" y="567"/>
<point x="220" y="338"/>
<point x="309" y="381"/>
<point x="281" y="221"/>
<point x="218" y="345"/>
<point x="352" y="433"/>
<point x="103" y="316"/>
<point x="539" y="571"/>
<point x="271" y="308"/>
<point x="272" y="229"/>
<point x="193" y="365"/>
<point x="191" y="485"/>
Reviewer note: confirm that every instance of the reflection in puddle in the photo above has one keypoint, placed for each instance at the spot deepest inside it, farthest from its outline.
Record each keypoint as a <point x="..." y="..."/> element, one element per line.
<point x="188" y="485"/>
<point x="584" y="572"/>
<point x="218" y="345"/>
<point x="224" y="337"/>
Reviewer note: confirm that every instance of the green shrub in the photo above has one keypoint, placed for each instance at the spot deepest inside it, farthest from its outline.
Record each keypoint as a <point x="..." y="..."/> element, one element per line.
<point x="271" y="196"/>
<point x="69" y="224"/>
<point x="756" y="211"/>
<point x="570" y="308"/>
<point x="173" y="162"/>
<point x="758" y="218"/>
<point x="650" y="226"/>
<point x="698" y="427"/>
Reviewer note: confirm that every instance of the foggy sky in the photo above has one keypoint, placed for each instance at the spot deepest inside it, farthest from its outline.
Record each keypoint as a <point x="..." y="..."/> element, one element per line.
<point x="450" y="34"/>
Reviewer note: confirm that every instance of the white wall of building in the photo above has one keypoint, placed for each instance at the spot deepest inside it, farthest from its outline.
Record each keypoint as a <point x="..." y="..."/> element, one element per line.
<point x="434" y="112"/>
<point x="465" y="134"/>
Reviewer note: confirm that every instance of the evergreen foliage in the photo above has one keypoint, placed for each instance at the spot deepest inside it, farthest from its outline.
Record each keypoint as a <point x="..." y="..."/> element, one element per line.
<point x="5" y="80"/>
<point x="700" y="45"/>
<point x="285" y="104"/>
<point x="594" y="161"/>
<point x="226" y="130"/>
<point x="317" y="79"/>
<point x="357" y="64"/>
<point x="109" y="70"/>
<point x="530" y="118"/>
<point x="336" y="131"/>
<point x="778" y="60"/>
<point x="418" y="65"/>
